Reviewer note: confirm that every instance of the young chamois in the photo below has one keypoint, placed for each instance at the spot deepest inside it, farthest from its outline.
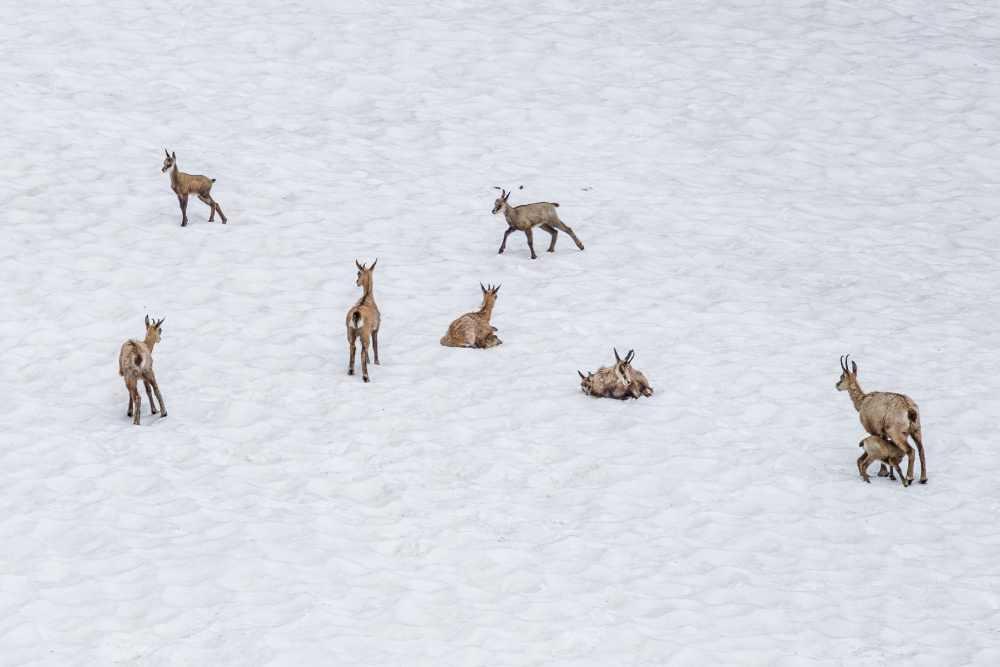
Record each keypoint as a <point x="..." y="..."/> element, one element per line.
<point x="185" y="184"/>
<point x="135" y="361"/>
<point x="877" y="449"/>
<point x="473" y="329"/>
<point x="363" y="320"/>
<point x="892" y="417"/>
<point x="619" y="381"/>
<point x="527" y="216"/>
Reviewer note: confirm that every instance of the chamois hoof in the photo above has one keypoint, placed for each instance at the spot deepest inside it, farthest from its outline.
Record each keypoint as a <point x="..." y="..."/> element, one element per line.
<point x="366" y="379"/>
<point x="184" y="224"/>
<point x="162" y="415"/>
<point x="923" y="481"/>
<point x="883" y="473"/>
<point x="350" y="371"/>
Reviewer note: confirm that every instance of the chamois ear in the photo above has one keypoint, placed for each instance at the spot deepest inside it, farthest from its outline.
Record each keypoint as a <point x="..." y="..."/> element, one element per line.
<point x="617" y="358"/>
<point x="482" y="288"/>
<point x="495" y="290"/>
<point x="373" y="264"/>
<point x="147" y="320"/>
<point x="167" y="152"/>
<point x="173" y="156"/>
<point x="581" y="375"/>
<point x="360" y="268"/>
<point x="159" y="324"/>
<point x="854" y="368"/>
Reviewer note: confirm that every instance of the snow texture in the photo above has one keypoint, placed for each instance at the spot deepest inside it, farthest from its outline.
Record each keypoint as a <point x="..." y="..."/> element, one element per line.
<point x="761" y="188"/>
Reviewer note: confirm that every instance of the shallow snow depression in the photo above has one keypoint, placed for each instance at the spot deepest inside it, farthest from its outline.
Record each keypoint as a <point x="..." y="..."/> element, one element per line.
<point x="760" y="189"/>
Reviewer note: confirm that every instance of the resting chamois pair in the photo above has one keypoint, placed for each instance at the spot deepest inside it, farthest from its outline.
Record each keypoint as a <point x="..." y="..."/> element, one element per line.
<point x="620" y="381"/>
<point x="890" y="419"/>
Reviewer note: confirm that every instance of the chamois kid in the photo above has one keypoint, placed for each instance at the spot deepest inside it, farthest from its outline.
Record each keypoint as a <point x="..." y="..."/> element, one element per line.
<point x="877" y="449"/>
<point x="363" y="321"/>
<point x="473" y="329"/>
<point x="890" y="416"/>
<point x="186" y="184"/>
<point x="620" y="381"/>
<point x="135" y="361"/>
<point x="527" y="216"/>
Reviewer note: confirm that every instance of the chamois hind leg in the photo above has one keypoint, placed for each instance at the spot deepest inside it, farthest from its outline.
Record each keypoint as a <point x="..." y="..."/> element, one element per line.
<point x="351" y="337"/>
<point x="129" y="413"/>
<point x="375" y="346"/>
<point x="149" y="393"/>
<point x="156" y="390"/>
<point x="899" y="439"/>
<point x="920" y="450"/>
<point x="863" y="466"/>
<point x="555" y="234"/>
<point x="364" y="356"/>
<point x="895" y="464"/>
<point x="559" y="224"/>
<point x="134" y="397"/>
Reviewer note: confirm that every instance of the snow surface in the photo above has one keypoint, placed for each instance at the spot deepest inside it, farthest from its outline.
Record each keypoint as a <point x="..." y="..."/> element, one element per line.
<point x="761" y="187"/>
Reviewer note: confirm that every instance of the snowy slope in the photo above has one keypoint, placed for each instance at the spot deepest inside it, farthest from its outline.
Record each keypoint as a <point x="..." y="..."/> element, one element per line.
<point x="761" y="188"/>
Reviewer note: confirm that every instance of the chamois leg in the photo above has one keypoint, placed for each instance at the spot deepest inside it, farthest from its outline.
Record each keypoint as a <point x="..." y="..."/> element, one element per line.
<point x="215" y="207"/>
<point x="211" y="205"/>
<point x="505" y="235"/>
<point x="559" y="224"/>
<point x="129" y="413"/>
<point x="364" y="356"/>
<point x="375" y="346"/>
<point x="863" y="466"/>
<point x="183" y="199"/>
<point x="156" y="390"/>
<point x="149" y="393"/>
<point x="895" y="464"/>
<point x="134" y="397"/>
<point x="920" y="450"/>
<point x="899" y="439"/>
<point x="351" y="337"/>
<point x="555" y="234"/>
<point x="531" y="242"/>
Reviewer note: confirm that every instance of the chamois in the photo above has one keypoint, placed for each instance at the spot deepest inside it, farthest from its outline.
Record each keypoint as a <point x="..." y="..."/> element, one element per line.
<point x="473" y="329"/>
<point x="890" y="416"/>
<point x="185" y="184"/>
<point x="363" y="320"/>
<point x="877" y="449"/>
<point x="526" y="216"/>
<point x="136" y="361"/>
<point x="619" y="381"/>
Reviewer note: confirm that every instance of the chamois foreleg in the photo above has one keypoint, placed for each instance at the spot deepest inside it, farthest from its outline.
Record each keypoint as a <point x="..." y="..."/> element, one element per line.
<point x="183" y="199"/>
<point x="510" y="230"/>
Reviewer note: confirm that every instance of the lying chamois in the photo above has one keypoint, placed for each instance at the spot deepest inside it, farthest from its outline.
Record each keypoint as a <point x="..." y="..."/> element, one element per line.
<point x="877" y="449"/>
<point x="892" y="417"/>
<point x="136" y="361"/>
<point x="473" y="329"/>
<point x="363" y="321"/>
<point x="619" y="381"/>
<point x="526" y="216"/>
<point x="185" y="184"/>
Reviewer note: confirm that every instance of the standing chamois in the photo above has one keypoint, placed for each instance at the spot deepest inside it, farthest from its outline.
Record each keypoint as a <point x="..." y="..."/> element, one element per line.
<point x="526" y="216"/>
<point x="892" y="417"/>
<point x="136" y="361"/>
<point x="619" y="381"/>
<point x="185" y="184"/>
<point x="363" y="321"/>
<point x="473" y="329"/>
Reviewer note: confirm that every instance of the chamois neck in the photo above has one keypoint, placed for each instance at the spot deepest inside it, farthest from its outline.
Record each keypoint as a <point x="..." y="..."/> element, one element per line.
<point x="854" y="389"/>
<point x="175" y="174"/>
<point x="149" y="343"/>
<point x="368" y="291"/>
<point x="486" y="310"/>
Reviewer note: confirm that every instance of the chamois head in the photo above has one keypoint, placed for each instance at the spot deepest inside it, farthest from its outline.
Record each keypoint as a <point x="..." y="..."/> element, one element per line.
<point x="586" y="382"/>
<point x="153" y="330"/>
<point x="170" y="162"/>
<point x="623" y="369"/>
<point x="499" y="204"/>
<point x="848" y="376"/>
<point x="365" y="275"/>
<point x="489" y="294"/>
